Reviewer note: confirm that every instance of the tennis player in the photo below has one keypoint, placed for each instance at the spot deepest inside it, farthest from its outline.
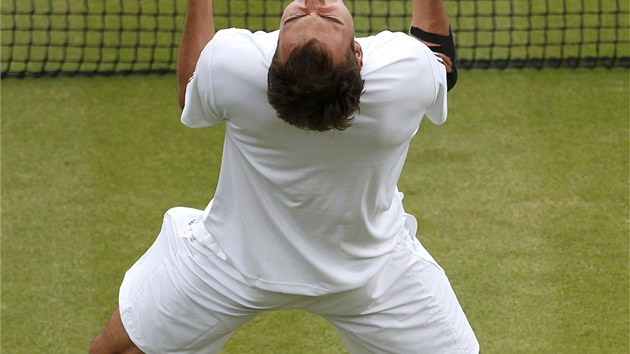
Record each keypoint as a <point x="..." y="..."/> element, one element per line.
<point x="306" y="214"/>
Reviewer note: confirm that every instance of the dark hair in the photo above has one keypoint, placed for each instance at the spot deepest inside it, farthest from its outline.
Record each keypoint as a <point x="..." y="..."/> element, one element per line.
<point x="310" y="92"/>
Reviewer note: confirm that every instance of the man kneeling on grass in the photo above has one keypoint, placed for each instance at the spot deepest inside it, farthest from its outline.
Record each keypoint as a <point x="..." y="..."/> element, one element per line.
<point x="307" y="213"/>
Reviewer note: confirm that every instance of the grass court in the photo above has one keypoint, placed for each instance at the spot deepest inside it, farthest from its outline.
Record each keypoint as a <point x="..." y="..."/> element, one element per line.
<point x="522" y="196"/>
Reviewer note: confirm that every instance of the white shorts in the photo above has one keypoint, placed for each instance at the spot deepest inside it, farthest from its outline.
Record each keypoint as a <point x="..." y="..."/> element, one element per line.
<point x="183" y="296"/>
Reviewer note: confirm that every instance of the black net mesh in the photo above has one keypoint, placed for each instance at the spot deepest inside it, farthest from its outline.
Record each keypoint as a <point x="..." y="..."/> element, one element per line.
<point x="46" y="37"/>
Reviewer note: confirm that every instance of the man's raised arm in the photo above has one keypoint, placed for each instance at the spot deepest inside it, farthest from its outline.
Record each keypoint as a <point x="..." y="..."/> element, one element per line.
<point x="430" y="16"/>
<point x="198" y="31"/>
<point x="429" y="24"/>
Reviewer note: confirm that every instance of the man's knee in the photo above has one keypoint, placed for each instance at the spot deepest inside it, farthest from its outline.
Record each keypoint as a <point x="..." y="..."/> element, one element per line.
<point x="113" y="339"/>
<point x="98" y="346"/>
<point x="100" y="350"/>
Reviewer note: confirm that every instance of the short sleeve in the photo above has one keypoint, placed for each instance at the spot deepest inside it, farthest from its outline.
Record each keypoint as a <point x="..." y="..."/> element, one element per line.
<point x="438" y="110"/>
<point x="200" y="107"/>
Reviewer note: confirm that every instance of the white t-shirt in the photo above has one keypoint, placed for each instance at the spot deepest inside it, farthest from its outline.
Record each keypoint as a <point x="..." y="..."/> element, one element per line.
<point x="309" y="212"/>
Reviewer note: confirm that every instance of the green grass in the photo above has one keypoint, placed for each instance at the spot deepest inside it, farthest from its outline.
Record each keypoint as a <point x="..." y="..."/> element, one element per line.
<point x="522" y="196"/>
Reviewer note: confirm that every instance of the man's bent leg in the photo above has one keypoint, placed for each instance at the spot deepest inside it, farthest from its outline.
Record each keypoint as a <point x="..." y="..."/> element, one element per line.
<point x="409" y="307"/>
<point x="181" y="295"/>
<point x="411" y="318"/>
<point x="113" y="339"/>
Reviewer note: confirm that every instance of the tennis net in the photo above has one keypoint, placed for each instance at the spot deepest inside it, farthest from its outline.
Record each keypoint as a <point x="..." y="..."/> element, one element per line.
<point x="52" y="37"/>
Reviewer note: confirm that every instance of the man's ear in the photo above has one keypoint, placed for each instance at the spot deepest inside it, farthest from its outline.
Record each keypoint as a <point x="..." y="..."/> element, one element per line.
<point x="358" y="52"/>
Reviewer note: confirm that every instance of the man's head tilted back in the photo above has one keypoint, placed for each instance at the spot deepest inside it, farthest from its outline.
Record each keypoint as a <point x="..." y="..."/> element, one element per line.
<point x="314" y="79"/>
